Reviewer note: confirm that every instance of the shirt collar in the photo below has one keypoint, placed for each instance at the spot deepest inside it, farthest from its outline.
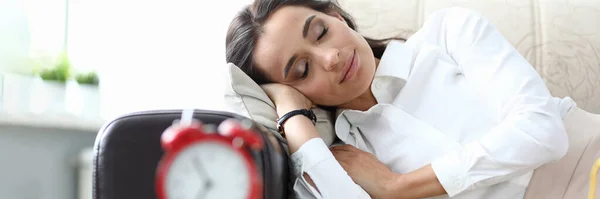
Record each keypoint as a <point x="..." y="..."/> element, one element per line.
<point x="396" y="61"/>
<point x="392" y="72"/>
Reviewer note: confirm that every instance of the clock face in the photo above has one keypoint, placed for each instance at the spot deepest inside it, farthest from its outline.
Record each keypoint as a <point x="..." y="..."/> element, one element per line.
<point x="208" y="170"/>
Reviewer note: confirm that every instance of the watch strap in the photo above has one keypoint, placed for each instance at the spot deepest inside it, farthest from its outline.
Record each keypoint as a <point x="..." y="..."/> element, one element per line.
<point x="306" y="112"/>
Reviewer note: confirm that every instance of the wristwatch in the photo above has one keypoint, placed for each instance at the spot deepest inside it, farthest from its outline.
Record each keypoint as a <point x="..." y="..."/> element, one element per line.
<point x="306" y="112"/>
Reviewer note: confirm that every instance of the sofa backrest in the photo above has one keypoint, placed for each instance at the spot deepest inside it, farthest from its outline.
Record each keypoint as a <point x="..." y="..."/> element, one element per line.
<point x="560" y="38"/>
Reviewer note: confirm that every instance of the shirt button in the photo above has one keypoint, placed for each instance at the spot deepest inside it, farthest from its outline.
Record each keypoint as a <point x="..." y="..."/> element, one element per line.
<point x="458" y="184"/>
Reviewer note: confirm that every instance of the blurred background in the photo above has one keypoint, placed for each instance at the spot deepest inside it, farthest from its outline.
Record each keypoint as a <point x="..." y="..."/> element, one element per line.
<point x="67" y="66"/>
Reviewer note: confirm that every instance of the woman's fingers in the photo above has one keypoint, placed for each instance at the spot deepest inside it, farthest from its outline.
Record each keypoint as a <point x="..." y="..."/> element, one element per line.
<point x="286" y="96"/>
<point x="342" y="158"/>
<point x="345" y="154"/>
<point x="345" y="147"/>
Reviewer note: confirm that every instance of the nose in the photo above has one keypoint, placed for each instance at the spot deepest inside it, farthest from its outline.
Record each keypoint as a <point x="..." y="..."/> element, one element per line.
<point x="329" y="58"/>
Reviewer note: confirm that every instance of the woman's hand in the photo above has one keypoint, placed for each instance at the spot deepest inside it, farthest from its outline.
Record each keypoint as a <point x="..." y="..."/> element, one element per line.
<point x="366" y="170"/>
<point x="298" y="130"/>
<point x="286" y="98"/>
<point x="380" y="182"/>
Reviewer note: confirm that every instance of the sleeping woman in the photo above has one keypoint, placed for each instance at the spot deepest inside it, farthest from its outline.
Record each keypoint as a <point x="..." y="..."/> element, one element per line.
<point x="453" y="111"/>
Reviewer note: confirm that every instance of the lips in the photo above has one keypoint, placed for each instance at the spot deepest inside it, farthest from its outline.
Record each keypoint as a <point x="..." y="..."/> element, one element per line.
<point x="349" y="67"/>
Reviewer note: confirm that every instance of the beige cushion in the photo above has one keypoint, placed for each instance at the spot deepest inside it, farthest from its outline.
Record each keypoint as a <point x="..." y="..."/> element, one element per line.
<point x="560" y="38"/>
<point x="244" y="97"/>
<point x="568" y="178"/>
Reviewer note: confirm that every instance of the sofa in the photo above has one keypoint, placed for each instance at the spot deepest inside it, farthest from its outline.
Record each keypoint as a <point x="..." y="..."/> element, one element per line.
<point x="560" y="38"/>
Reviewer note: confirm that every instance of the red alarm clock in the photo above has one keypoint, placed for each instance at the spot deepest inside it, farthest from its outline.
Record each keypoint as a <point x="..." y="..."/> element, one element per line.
<point x="204" y="162"/>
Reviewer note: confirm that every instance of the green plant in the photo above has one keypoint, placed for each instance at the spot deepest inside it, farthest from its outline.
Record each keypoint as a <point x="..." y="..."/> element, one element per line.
<point x="87" y="78"/>
<point x="61" y="72"/>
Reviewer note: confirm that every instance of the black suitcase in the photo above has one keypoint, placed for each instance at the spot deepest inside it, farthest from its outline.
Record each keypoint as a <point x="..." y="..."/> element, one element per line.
<point x="127" y="151"/>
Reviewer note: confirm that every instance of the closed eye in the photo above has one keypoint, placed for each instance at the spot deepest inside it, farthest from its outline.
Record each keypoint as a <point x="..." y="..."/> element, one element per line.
<point x="322" y="33"/>
<point x="305" y="71"/>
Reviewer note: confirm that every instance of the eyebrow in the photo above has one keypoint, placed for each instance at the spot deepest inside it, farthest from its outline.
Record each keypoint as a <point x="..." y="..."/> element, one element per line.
<point x="286" y="70"/>
<point x="307" y="25"/>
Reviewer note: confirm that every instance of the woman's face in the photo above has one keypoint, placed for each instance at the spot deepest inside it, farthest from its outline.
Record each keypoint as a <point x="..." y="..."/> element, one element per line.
<point x="316" y="53"/>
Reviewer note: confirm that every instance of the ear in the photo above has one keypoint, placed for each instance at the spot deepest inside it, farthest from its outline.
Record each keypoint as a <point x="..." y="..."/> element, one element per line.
<point x="336" y="15"/>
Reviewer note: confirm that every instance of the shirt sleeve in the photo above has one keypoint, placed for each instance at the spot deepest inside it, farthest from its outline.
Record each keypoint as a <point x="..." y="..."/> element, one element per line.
<point x="529" y="132"/>
<point x="332" y="181"/>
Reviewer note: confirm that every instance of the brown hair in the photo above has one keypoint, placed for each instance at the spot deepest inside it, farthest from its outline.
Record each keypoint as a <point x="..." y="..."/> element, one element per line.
<point x="246" y="28"/>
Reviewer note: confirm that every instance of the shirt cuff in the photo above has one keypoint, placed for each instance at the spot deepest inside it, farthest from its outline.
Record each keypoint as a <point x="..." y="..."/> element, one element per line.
<point x="453" y="168"/>
<point x="310" y="154"/>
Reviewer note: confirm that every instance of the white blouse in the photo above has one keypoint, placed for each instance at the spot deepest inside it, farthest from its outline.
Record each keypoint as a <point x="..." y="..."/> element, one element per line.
<point x="458" y="96"/>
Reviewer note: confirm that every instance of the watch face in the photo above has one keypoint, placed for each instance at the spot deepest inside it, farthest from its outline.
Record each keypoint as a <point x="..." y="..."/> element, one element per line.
<point x="208" y="170"/>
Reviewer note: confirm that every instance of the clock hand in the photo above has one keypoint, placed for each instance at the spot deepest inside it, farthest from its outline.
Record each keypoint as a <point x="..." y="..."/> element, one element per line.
<point x="202" y="171"/>
<point x="207" y="187"/>
<point x="199" y="169"/>
<point x="208" y="184"/>
<point x="201" y="193"/>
